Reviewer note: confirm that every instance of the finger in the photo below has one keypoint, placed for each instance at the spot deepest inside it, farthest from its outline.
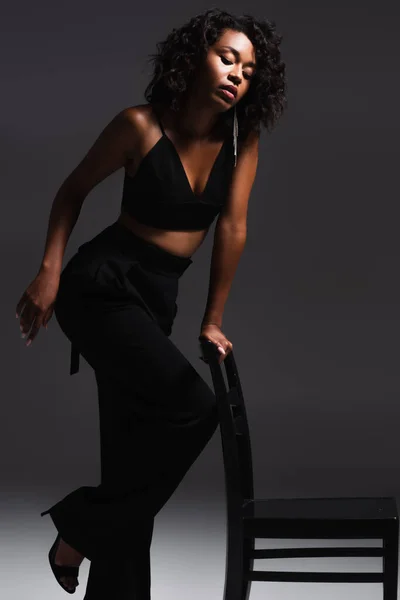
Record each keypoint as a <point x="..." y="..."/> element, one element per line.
<point x="217" y="343"/>
<point x="35" y="323"/>
<point x="21" y="304"/>
<point x="223" y="356"/>
<point x="214" y="341"/>
<point x="28" y="323"/>
<point x="219" y="346"/>
<point x="33" y="332"/>
<point x="228" y="349"/>
<point x="27" y="318"/>
<point x="47" y="318"/>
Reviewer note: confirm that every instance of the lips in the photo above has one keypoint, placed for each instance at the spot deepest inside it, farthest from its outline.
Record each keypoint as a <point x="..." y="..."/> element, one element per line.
<point x="230" y="88"/>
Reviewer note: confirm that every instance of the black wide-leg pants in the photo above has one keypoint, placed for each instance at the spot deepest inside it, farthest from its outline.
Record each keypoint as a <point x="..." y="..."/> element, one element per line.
<point x="116" y="304"/>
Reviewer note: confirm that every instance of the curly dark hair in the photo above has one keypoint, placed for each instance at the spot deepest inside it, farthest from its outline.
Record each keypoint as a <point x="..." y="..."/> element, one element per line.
<point x="184" y="49"/>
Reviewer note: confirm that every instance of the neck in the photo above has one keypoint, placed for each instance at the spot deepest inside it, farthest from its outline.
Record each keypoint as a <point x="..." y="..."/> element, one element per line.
<point x="195" y="121"/>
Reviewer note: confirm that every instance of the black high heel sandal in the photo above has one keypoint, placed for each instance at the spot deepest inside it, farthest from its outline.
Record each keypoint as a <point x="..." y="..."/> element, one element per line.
<point x="62" y="570"/>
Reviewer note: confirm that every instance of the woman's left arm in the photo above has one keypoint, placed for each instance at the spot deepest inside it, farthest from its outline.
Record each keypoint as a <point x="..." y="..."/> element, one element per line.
<point x="231" y="231"/>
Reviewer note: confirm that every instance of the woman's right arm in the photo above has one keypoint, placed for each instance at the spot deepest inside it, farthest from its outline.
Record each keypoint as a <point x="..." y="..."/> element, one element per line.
<point x="109" y="152"/>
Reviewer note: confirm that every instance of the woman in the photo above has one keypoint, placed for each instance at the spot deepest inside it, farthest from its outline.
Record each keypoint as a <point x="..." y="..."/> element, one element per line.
<point x="189" y="155"/>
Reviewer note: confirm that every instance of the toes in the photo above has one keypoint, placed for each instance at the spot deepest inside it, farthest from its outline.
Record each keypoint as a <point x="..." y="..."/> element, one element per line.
<point x="69" y="582"/>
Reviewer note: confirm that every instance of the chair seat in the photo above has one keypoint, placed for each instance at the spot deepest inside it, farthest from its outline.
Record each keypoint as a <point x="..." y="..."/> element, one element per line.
<point x="320" y="509"/>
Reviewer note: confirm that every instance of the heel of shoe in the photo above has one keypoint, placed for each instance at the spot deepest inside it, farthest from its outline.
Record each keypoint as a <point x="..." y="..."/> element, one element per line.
<point x="45" y="512"/>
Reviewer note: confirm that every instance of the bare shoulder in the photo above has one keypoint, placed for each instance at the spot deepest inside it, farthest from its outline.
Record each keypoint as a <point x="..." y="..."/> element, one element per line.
<point x="140" y="119"/>
<point x="140" y="116"/>
<point x="114" y="148"/>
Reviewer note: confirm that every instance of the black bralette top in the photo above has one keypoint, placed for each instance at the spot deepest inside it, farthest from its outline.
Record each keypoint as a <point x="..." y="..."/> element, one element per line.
<point x="160" y="195"/>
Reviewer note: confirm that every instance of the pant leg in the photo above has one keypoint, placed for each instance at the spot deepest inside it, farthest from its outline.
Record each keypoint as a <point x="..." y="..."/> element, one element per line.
<point x="118" y="577"/>
<point x="122" y="576"/>
<point x="159" y="415"/>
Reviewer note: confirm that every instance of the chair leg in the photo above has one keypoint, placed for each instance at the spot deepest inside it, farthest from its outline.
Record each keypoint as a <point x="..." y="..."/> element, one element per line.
<point x="390" y="565"/>
<point x="248" y="563"/>
<point x="234" y="570"/>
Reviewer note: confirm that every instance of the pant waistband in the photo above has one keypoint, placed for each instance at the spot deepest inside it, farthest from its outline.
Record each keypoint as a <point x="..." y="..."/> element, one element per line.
<point x="136" y="247"/>
<point x="151" y="254"/>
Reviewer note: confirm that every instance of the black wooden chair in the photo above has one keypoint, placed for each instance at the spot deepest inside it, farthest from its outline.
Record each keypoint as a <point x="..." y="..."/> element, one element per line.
<point x="297" y="518"/>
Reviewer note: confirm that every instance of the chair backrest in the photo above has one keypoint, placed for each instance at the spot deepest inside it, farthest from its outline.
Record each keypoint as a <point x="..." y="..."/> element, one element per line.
<point x="235" y="435"/>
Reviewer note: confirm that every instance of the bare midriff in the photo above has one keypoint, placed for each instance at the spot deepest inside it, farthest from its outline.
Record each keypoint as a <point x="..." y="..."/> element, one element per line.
<point x="181" y="243"/>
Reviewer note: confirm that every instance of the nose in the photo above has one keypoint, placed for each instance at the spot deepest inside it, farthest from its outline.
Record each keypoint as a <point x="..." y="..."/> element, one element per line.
<point x="236" y="79"/>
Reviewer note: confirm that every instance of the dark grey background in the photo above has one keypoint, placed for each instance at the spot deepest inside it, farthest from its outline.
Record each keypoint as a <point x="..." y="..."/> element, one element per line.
<point x="313" y="312"/>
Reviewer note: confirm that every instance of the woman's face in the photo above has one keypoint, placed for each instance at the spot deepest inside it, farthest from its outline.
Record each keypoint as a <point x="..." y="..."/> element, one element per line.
<point x="229" y="62"/>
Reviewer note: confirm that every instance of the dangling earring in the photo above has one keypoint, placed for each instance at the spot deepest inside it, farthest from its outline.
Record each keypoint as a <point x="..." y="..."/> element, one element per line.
<point x="235" y="134"/>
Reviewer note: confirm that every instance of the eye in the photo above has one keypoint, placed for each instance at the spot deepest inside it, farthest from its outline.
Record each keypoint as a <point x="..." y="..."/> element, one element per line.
<point x="228" y="62"/>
